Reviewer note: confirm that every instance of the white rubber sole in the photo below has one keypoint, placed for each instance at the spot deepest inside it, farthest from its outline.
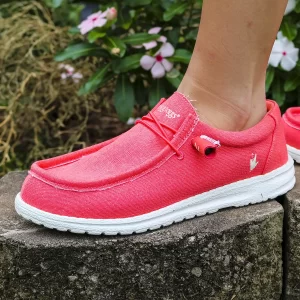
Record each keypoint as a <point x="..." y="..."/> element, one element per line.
<point x="241" y="193"/>
<point x="294" y="153"/>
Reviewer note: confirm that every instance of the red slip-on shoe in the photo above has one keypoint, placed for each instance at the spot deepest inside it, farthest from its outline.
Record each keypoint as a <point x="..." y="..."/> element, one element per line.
<point x="169" y="167"/>
<point x="291" y="123"/>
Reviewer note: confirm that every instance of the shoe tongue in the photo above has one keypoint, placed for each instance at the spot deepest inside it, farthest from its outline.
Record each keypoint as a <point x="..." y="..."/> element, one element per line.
<point x="131" y="150"/>
<point x="174" y="110"/>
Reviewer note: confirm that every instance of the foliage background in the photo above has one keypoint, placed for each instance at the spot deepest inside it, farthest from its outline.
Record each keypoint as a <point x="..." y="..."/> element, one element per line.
<point x="43" y="116"/>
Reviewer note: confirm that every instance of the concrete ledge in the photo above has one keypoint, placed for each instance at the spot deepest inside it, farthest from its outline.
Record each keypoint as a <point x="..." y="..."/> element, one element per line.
<point x="233" y="254"/>
<point x="292" y="242"/>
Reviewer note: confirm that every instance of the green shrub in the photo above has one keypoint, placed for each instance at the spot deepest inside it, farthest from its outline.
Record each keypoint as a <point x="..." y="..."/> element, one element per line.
<point x="41" y="115"/>
<point x="47" y="109"/>
<point x="116" y="41"/>
<point x="123" y="39"/>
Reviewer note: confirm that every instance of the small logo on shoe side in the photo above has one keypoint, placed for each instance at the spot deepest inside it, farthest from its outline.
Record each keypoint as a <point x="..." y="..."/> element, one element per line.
<point x="169" y="113"/>
<point x="253" y="162"/>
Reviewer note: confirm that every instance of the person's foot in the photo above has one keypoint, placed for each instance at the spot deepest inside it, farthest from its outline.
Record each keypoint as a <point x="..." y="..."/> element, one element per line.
<point x="167" y="168"/>
<point x="291" y="123"/>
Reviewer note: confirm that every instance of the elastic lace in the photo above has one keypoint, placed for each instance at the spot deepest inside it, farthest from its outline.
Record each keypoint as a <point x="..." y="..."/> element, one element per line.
<point x="151" y="118"/>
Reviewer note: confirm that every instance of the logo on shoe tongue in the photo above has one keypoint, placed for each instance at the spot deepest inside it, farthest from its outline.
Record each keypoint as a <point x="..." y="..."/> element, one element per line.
<point x="169" y="112"/>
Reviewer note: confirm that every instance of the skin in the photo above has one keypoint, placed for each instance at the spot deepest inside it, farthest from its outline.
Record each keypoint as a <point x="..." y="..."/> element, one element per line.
<point x="226" y="75"/>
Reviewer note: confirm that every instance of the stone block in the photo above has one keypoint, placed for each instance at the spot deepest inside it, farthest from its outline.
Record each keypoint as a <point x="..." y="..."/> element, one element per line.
<point x="233" y="254"/>
<point x="292" y="242"/>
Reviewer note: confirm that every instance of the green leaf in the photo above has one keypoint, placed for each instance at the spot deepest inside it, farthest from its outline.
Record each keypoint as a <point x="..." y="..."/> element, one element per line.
<point x="80" y="50"/>
<point x="181" y="55"/>
<point x="173" y="36"/>
<point x="175" y="9"/>
<point x="124" y="98"/>
<point x="157" y="91"/>
<point x="95" y="81"/>
<point x="291" y="83"/>
<point x="289" y="30"/>
<point x="74" y="30"/>
<point x="297" y="8"/>
<point x="127" y="63"/>
<point x="135" y="3"/>
<point x="141" y="95"/>
<point x="125" y="18"/>
<point x="174" y="77"/>
<point x="165" y="4"/>
<point x="269" y="78"/>
<point x="278" y="93"/>
<point x="199" y="3"/>
<point x="140" y="38"/>
<point x="95" y="35"/>
<point x="192" y="35"/>
<point x="116" y="46"/>
<point x="56" y="3"/>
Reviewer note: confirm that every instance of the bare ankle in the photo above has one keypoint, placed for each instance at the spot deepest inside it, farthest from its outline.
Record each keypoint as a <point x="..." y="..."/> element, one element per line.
<point x="226" y="112"/>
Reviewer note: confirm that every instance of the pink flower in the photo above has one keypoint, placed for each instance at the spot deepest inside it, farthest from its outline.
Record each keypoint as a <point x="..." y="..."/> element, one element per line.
<point x="158" y="64"/>
<point x="284" y="53"/>
<point x="70" y="73"/>
<point x="112" y="13"/>
<point x="95" y="20"/>
<point x="153" y="44"/>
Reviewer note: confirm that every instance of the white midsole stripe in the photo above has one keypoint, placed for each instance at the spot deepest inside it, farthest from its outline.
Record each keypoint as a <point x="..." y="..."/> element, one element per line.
<point x="295" y="153"/>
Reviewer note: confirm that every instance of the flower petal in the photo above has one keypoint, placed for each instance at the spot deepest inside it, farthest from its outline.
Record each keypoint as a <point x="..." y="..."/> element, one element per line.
<point x="162" y="39"/>
<point x="275" y="59"/>
<point x="158" y="71"/>
<point x="154" y="30"/>
<point x="167" y="65"/>
<point x="137" y="46"/>
<point x="150" y="45"/>
<point x="130" y="121"/>
<point x="293" y="54"/>
<point x="95" y="15"/>
<point x="100" y="22"/>
<point x="147" y="62"/>
<point x="77" y="75"/>
<point x="166" y="50"/>
<point x="277" y="47"/>
<point x="287" y="44"/>
<point x="69" y="68"/>
<point x="86" y="26"/>
<point x="290" y="6"/>
<point x="287" y="63"/>
<point x="290" y="46"/>
<point x="280" y="35"/>
<point x="63" y="76"/>
<point x="104" y="14"/>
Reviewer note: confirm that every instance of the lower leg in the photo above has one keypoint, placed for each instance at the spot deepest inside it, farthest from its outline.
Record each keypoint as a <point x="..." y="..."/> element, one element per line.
<point x="226" y="75"/>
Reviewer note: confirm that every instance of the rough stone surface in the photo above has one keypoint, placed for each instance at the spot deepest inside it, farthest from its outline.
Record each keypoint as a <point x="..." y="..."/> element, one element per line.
<point x="292" y="242"/>
<point x="233" y="254"/>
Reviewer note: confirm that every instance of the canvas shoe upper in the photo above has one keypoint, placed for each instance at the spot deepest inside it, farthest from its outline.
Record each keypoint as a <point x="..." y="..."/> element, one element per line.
<point x="170" y="166"/>
<point x="291" y="123"/>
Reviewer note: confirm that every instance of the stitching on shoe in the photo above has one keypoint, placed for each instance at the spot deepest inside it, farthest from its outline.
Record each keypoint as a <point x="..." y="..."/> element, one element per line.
<point x="130" y="179"/>
<point x="189" y="100"/>
<point x="271" y="146"/>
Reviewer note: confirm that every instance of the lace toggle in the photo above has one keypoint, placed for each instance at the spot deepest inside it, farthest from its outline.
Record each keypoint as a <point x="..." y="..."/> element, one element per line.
<point x="206" y="146"/>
